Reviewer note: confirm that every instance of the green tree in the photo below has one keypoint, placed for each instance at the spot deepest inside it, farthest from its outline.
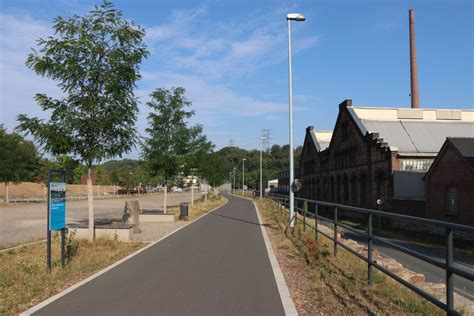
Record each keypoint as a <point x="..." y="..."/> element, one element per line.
<point x="213" y="169"/>
<point x="95" y="60"/>
<point x="172" y="145"/>
<point x="78" y="172"/>
<point x="101" y="176"/>
<point x="114" y="175"/>
<point x="19" y="160"/>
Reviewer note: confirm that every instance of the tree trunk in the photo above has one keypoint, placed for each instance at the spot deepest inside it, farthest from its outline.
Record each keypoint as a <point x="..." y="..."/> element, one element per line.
<point x="192" y="190"/>
<point x="6" y="191"/>
<point x="165" y="200"/>
<point x="91" y="205"/>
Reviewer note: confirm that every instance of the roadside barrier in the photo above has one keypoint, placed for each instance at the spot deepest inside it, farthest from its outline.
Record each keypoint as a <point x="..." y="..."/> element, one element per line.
<point x="447" y="265"/>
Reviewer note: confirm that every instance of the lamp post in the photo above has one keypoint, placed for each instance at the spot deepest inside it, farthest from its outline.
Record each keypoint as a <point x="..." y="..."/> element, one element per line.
<point x="299" y="18"/>
<point x="233" y="191"/>
<point x="243" y="175"/>
<point x="261" y="148"/>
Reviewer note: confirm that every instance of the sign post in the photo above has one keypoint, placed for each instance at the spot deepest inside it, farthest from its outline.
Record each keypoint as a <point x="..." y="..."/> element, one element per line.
<point x="56" y="212"/>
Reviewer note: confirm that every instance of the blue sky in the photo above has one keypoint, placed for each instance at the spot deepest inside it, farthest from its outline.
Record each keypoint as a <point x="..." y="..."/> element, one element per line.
<point x="231" y="56"/>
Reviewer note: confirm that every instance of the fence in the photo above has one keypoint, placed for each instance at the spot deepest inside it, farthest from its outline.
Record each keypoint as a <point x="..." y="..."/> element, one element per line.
<point x="447" y="266"/>
<point x="37" y="192"/>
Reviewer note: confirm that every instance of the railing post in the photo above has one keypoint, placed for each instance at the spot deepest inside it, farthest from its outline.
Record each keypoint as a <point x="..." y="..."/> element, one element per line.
<point x="295" y="214"/>
<point x="449" y="263"/>
<point x="305" y="209"/>
<point x="335" y="231"/>
<point x="316" y="225"/>
<point x="369" y="250"/>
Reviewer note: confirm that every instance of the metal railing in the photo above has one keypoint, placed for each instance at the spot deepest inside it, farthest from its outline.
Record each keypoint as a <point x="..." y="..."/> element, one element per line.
<point x="447" y="266"/>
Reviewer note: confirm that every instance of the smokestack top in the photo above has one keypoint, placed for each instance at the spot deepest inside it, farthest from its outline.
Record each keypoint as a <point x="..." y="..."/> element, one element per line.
<point x="415" y="98"/>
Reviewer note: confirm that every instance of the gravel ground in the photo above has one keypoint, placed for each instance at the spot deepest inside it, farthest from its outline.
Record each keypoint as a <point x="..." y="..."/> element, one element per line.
<point x="22" y="223"/>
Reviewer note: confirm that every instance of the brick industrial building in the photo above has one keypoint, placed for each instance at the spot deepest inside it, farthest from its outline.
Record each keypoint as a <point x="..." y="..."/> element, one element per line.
<point x="385" y="153"/>
<point x="450" y="182"/>
<point x="379" y="153"/>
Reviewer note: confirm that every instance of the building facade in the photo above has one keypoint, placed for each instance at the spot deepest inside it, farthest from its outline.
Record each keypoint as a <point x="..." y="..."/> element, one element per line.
<point x="377" y="153"/>
<point x="450" y="182"/>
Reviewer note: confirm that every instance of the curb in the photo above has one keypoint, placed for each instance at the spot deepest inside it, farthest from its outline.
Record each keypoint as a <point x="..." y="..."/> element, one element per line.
<point x="285" y="296"/>
<point x="97" y="274"/>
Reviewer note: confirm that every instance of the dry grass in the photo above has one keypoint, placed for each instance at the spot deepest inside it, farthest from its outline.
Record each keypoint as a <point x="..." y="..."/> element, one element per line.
<point x="201" y="207"/>
<point x="24" y="281"/>
<point x="325" y="285"/>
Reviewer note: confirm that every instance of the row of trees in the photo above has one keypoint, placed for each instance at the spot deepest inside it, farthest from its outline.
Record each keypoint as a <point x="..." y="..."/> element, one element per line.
<point x="95" y="61"/>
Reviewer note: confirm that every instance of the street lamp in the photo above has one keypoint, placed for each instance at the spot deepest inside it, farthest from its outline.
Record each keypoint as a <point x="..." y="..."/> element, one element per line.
<point x="234" y="181"/>
<point x="291" y="17"/>
<point x="243" y="175"/>
<point x="261" y="148"/>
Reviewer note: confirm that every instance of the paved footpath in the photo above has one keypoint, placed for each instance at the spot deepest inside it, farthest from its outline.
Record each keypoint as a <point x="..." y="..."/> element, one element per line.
<point x="218" y="265"/>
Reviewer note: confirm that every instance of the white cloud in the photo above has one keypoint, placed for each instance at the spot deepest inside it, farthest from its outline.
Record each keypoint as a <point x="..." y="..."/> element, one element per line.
<point x="222" y="49"/>
<point x="18" y="84"/>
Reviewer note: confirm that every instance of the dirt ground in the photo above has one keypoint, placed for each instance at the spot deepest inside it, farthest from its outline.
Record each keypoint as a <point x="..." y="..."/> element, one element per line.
<point x="22" y="223"/>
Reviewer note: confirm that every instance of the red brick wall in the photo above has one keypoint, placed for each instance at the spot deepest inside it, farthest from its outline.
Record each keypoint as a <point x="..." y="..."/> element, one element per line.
<point x="450" y="170"/>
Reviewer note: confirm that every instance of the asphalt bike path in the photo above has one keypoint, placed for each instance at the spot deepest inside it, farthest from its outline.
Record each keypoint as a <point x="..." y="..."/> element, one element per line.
<point x="217" y="265"/>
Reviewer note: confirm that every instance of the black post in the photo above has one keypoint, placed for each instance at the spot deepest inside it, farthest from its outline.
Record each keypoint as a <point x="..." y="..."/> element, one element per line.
<point x="63" y="246"/>
<point x="335" y="231"/>
<point x="316" y="227"/>
<point x="48" y="232"/>
<point x="369" y="250"/>
<point x="305" y="209"/>
<point x="63" y="231"/>
<point x="449" y="263"/>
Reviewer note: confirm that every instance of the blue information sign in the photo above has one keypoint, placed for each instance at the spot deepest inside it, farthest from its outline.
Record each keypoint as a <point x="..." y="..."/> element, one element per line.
<point x="57" y="205"/>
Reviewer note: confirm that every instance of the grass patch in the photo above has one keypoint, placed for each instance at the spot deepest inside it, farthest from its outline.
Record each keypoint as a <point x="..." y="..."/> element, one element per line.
<point x="201" y="207"/>
<point x="24" y="281"/>
<point x="338" y="286"/>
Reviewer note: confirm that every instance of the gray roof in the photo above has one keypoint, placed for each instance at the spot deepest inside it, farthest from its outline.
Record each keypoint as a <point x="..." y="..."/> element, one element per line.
<point x="412" y="136"/>
<point x="418" y="137"/>
<point x="465" y="145"/>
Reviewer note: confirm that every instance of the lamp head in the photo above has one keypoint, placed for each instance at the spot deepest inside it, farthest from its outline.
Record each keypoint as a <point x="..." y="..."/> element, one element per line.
<point x="295" y="17"/>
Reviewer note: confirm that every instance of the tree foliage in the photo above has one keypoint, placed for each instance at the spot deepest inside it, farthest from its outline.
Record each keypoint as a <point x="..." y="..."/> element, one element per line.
<point x="213" y="168"/>
<point x="173" y="146"/>
<point x="95" y="60"/>
<point x="19" y="160"/>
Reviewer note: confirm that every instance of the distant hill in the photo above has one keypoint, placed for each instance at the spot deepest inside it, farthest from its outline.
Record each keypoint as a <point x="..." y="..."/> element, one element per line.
<point x="125" y="165"/>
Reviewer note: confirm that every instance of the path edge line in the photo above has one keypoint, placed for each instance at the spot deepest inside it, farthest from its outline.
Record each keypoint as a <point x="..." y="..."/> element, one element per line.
<point x="57" y="296"/>
<point x="285" y="296"/>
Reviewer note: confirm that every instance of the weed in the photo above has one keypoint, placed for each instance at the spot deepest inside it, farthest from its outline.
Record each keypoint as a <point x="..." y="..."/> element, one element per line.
<point x="71" y="245"/>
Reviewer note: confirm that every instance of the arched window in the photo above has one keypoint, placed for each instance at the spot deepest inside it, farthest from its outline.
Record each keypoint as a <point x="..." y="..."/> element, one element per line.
<point x="345" y="189"/>
<point x="363" y="190"/>
<point x="353" y="193"/>
<point x="338" y="189"/>
<point x="318" y="189"/>
<point x="324" y="189"/>
<point x="379" y="184"/>
<point x="331" y="189"/>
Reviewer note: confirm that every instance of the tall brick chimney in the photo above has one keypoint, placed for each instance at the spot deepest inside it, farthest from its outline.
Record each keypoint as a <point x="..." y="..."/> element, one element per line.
<point x="415" y="98"/>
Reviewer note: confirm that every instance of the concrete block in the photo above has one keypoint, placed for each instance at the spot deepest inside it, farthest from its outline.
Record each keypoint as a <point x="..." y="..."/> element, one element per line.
<point x="156" y="218"/>
<point x="121" y="234"/>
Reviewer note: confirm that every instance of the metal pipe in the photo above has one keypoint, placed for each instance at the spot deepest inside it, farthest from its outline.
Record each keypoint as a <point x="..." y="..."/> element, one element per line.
<point x="449" y="274"/>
